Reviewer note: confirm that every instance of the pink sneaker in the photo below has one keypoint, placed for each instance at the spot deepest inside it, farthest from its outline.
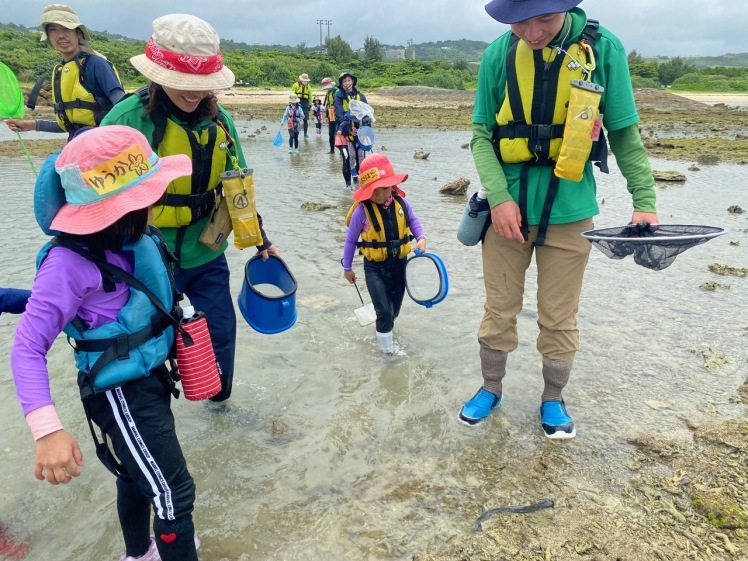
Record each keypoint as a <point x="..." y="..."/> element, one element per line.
<point x="152" y="553"/>
<point x="10" y="548"/>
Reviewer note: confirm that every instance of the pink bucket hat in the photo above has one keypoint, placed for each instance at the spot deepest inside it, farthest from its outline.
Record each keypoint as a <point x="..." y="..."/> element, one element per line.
<point x="184" y="53"/>
<point x="107" y="172"/>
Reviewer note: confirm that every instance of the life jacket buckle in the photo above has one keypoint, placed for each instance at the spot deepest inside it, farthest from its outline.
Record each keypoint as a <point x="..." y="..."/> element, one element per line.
<point x="122" y="346"/>
<point x="540" y="132"/>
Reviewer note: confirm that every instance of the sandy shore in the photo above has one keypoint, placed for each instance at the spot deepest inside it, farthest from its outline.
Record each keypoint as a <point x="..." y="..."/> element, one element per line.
<point x="731" y="99"/>
<point x="701" y="128"/>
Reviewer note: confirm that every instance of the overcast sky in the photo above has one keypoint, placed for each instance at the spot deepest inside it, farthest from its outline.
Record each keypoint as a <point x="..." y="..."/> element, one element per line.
<point x="652" y="27"/>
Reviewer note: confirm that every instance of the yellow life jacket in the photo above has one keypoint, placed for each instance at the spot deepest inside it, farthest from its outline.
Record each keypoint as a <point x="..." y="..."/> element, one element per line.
<point x="527" y="132"/>
<point x="304" y="91"/>
<point x="73" y="103"/>
<point x="347" y="98"/>
<point x="190" y="198"/>
<point x="385" y="238"/>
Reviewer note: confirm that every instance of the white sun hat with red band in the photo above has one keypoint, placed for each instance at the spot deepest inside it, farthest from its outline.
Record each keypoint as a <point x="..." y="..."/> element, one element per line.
<point x="183" y="53"/>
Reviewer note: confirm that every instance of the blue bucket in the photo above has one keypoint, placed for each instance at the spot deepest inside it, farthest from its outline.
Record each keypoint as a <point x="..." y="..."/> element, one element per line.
<point x="268" y="296"/>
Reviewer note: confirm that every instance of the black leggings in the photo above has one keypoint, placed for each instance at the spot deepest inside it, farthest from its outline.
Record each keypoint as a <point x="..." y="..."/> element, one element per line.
<point x="152" y="473"/>
<point x="293" y="139"/>
<point x="331" y="130"/>
<point x="385" y="281"/>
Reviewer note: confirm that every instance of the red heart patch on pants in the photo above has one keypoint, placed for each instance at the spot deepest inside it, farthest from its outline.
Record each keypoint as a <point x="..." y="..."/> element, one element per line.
<point x="168" y="538"/>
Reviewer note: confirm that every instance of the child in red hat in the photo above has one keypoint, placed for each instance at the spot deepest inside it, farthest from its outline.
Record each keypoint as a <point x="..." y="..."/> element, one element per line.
<point x="382" y="224"/>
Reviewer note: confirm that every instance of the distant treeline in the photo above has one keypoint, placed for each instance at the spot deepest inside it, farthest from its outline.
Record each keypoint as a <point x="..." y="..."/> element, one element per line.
<point x="453" y="64"/>
<point x="680" y="74"/>
<point x="256" y="67"/>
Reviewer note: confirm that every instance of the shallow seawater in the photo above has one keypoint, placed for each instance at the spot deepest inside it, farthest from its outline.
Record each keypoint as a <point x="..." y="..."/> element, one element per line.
<point x="329" y="450"/>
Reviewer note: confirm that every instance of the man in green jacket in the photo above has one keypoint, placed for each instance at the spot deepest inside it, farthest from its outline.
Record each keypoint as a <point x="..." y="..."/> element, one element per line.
<point x="524" y="90"/>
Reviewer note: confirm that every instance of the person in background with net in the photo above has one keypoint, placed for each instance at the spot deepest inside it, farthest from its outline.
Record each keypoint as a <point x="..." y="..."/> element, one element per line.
<point x="346" y="92"/>
<point x="550" y="40"/>
<point x="84" y="85"/>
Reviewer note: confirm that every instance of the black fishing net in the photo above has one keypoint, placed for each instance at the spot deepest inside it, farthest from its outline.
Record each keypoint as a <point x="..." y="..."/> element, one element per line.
<point x="653" y="247"/>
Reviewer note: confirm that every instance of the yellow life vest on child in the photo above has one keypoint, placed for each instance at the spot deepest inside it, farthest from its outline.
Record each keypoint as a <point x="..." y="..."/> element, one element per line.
<point x="385" y="238"/>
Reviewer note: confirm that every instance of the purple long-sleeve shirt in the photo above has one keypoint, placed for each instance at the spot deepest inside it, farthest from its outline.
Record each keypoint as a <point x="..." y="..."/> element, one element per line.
<point x="66" y="285"/>
<point x="359" y="223"/>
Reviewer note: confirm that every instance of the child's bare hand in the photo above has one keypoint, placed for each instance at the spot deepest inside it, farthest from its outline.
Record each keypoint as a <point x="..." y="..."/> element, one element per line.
<point x="58" y="457"/>
<point x="350" y="276"/>
<point x="421" y="245"/>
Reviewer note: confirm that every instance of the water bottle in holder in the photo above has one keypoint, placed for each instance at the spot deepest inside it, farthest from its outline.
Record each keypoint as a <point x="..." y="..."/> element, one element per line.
<point x="198" y="368"/>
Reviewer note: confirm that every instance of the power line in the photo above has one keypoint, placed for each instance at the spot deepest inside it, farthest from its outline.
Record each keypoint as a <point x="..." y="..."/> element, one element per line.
<point x="321" y="22"/>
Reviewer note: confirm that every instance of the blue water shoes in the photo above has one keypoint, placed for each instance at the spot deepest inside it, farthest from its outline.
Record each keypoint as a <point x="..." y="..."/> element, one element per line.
<point x="556" y="421"/>
<point x="477" y="408"/>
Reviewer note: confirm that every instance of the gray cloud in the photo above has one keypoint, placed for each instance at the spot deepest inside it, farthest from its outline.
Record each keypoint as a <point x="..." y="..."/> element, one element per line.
<point x="664" y="27"/>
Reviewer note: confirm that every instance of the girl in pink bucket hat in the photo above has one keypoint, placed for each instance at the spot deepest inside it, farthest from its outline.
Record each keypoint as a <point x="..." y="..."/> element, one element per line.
<point x="179" y="114"/>
<point x="382" y="224"/>
<point x="106" y="282"/>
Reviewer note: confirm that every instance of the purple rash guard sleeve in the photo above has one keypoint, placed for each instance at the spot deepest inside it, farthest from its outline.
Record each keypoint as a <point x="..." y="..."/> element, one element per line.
<point x="66" y="285"/>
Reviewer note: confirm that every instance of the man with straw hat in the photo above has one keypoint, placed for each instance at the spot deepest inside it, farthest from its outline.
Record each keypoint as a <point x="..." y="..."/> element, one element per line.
<point x="84" y="85"/>
<point x="520" y="140"/>
<point x="179" y="114"/>
<point x="302" y="88"/>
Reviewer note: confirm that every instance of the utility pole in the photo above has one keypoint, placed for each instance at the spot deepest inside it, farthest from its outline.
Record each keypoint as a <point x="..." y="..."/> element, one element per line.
<point x="329" y="23"/>
<point x="320" y="22"/>
<point x="413" y="49"/>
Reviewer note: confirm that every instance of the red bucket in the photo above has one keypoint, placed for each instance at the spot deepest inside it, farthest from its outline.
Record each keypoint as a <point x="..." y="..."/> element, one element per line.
<point x="197" y="363"/>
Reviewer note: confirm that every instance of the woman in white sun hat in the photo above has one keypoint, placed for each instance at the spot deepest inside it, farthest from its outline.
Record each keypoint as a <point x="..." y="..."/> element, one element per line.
<point x="179" y="114"/>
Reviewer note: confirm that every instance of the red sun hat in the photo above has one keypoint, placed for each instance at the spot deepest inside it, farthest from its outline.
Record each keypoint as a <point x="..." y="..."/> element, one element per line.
<point x="377" y="171"/>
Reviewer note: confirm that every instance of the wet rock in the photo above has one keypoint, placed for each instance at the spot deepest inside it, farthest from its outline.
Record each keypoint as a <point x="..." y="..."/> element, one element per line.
<point x="465" y="146"/>
<point x="713" y="360"/>
<point x="456" y="187"/>
<point x="258" y="131"/>
<point x="711" y="286"/>
<point x="279" y="428"/>
<point x="722" y="510"/>
<point x="694" y="167"/>
<point x="708" y="159"/>
<point x="421" y="155"/>
<point x="316" y="207"/>
<point x="263" y="128"/>
<point x="735" y="209"/>
<point x="727" y="270"/>
<point x="735" y="243"/>
<point x="383" y="148"/>
<point x="669" y="176"/>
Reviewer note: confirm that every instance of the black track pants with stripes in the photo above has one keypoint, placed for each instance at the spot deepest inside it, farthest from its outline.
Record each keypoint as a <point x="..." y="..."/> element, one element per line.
<point x="138" y="423"/>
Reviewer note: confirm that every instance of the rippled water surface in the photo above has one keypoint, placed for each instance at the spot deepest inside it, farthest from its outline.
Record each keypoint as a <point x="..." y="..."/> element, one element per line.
<point x="330" y="451"/>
